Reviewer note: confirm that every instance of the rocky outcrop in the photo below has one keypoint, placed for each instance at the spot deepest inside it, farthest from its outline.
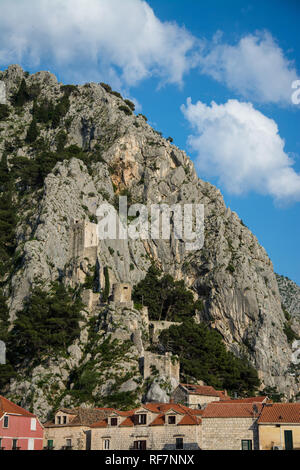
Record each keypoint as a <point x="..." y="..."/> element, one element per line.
<point x="232" y="274"/>
<point x="290" y="298"/>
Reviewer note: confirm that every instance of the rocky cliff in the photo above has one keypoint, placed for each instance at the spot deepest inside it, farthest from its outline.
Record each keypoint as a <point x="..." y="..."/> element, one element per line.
<point x="112" y="151"/>
<point x="290" y="298"/>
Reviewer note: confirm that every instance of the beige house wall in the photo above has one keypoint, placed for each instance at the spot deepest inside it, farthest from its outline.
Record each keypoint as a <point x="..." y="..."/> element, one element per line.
<point x="195" y="400"/>
<point x="60" y="434"/>
<point x="270" y="435"/>
<point x="190" y="400"/>
<point x="156" y="437"/>
<point x="228" y="433"/>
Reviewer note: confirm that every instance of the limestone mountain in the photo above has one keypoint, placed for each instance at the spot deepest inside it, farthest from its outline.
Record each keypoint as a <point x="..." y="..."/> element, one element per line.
<point x="66" y="149"/>
<point x="290" y="297"/>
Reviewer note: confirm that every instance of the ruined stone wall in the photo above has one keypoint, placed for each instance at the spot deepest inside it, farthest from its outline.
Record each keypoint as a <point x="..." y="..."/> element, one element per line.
<point x="156" y="327"/>
<point x="84" y="237"/>
<point x="84" y="243"/>
<point x="122" y="292"/>
<point x="163" y="363"/>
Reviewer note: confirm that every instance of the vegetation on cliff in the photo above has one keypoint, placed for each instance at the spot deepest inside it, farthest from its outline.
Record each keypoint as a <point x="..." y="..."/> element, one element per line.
<point x="203" y="356"/>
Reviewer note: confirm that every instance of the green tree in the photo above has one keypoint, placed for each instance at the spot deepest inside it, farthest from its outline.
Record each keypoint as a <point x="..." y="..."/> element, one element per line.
<point x="32" y="132"/>
<point x="8" y="218"/>
<point x="22" y="95"/>
<point x="48" y="322"/>
<point x="203" y="356"/>
<point x="165" y="298"/>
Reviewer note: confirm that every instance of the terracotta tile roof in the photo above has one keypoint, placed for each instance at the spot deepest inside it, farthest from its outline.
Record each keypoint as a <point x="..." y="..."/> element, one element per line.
<point x="231" y="410"/>
<point x="158" y="421"/>
<point x="129" y="421"/>
<point x="100" y="424"/>
<point x="223" y="395"/>
<point x="205" y="390"/>
<point x="7" y="406"/>
<point x="261" y="399"/>
<point x="83" y="416"/>
<point x="280" y="413"/>
<point x="188" y="419"/>
<point x="187" y="415"/>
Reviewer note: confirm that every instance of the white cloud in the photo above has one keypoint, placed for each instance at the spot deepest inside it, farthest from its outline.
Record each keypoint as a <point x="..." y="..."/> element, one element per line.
<point x="122" y="41"/>
<point x="242" y="147"/>
<point x="255" y="67"/>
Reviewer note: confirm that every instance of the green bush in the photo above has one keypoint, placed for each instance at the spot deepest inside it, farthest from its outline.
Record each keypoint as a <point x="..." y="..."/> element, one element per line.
<point x="289" y="332"/>
<point x="4" y="112"/>
<point x="130" y="104"/>
<point x="125" y="110"/>
<point x="106" y="87"/>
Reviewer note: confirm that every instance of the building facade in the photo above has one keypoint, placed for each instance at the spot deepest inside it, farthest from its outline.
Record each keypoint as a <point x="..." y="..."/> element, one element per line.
<point x="154" y="426"/>
<point x="279" y="426"/>
<point x="197" y="396"/>
<point x="70" y="428"/>
<point x="232" y="425"/>
<point x="19" y="429"/>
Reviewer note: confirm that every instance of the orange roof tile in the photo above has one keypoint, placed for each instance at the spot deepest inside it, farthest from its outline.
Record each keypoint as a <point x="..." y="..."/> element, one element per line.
<point x="280" y="413"/>
<point x="7" y="406"/>
<point x="260" y="399"/>
<point x="158" y="421"/>
<point x="205" y="390"/>
<point x="231" y="410"/>
<point x="189" y="420"/>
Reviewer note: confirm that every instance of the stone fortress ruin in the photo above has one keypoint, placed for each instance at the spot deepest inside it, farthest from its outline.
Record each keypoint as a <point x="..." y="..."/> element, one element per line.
<point x="84" y="253"/>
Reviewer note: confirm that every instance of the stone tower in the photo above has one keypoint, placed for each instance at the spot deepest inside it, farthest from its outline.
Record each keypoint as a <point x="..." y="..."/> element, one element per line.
<point x="84" y="244"/>
<point x="122" y="294"/>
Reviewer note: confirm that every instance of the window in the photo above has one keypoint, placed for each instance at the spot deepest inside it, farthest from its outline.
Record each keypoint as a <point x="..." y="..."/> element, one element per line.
<point x="179" y="443"/>
<point x="14" y="444"/>
<point x="106" y="444"/>
<point x="142" y="419"/>
<point x="172" y="419"/>
<point x="64" y="420"/>
<point x="69" y="442"/>
<point x="114" y="421"/>
<point x="246" y="444"/>
<point x="58" y="420"/>
<point x="139" y="445"/>
<point x="5" y="421"/>
<point x="33" y="424"/>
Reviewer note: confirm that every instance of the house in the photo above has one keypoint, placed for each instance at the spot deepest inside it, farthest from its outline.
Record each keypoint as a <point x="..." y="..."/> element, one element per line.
<point x="197" y="396"/>
<point x="231" y="425"/>
<point x="153" y="426"/>
<point x="279" y="426"/>
<point x="70" y="428"/>
<point x="19" y="429"/>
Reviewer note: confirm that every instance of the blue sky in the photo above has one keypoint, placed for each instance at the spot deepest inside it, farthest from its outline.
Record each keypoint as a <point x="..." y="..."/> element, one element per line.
<point x="244" y="56"/>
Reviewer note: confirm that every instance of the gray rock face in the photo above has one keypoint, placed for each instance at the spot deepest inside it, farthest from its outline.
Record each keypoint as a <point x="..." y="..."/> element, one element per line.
<point x="290" y="295"/>
<point x="2" y="93"/>
<point x="232" y="274"/>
